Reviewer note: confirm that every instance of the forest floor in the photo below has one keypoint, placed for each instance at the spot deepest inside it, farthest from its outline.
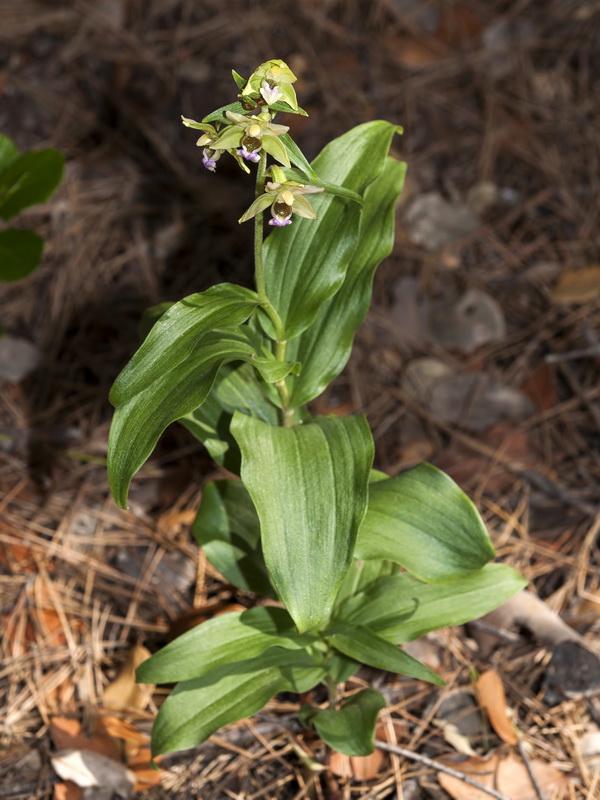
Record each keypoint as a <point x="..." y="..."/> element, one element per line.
<point x="481" y="354"/>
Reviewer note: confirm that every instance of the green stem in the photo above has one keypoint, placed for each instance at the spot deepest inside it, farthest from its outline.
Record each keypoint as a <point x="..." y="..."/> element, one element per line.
<point x="287" y="413"/>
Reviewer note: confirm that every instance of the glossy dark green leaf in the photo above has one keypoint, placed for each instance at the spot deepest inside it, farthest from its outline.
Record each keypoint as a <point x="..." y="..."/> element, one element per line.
<point x="360" y="643"/>
<point x="177" y="333"/>
<point x="401" y="608"/>
<point x="325" y="347"/>
<point x="20" y="253"/>
<point x="309" y="487"/>
<point x="8" y="152"/>
<point x="199" y="707"/>
<point x="29" y="179"/>
<point x="305" y="263"/>
<point x="351" y="728"/>
<point x="228" y="529"/>
<point x="424" y="521"/>
<point x="221" y="640"/>
<point x="138" y="424"/>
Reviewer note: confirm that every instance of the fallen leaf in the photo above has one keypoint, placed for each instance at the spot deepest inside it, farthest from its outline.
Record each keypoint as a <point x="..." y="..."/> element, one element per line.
<point x="18" y="358"/>
<point x="124" y="692"/>
<point x="577" y="286"/>
<point x="467" y="321"/>
<point x="512" y="778"/>
<point x="480" y="769"/>
<point x="172" y="522"/>
<point x="540" y="387"/>
<point x="526" y="609"/>
<point x="433" y="222"/>
<point x="130" y="736"/>
<point x="67" y="734"/>
<point x="493" y="700"/>
<point x="361" y="768"/>
<point x="413" y="52"/>
<point x="67" y="791"/>
<point x="141" y="767"/>
<point x="88" y="769"/>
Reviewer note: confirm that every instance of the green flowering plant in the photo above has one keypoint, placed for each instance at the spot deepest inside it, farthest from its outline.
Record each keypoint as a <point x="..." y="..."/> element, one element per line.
<point x="348" y="562"/>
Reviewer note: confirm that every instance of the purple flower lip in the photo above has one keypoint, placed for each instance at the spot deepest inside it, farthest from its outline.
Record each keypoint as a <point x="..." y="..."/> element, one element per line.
<point x="208" y="159"/>
<point x="249" y="156"/>
<point x="279" y="222"/>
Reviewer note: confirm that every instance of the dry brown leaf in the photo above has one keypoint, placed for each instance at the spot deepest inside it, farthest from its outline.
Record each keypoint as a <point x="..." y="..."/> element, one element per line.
<point x="540" y="387"/>
<point x="577" y="286"/>
<point x="415" y="53"/>
<point x="493" y="700"/>
<point x="124" y="692"/>
<point x="480" y="769"/>
<point x="67" y="734"/>
<point x="88" y="769"/>
<point x="512" y="778"/>
<point x="67" y="791"/>
<point x="140" y="766"/>
<point x="361" y="768"/>
<point x="172" y="522"/>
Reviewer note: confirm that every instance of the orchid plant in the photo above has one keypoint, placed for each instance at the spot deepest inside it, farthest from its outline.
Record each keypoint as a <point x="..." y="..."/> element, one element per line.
<point x="346" y="562"/>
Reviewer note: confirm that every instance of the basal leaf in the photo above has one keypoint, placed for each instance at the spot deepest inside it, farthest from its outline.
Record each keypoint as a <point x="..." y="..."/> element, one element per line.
<point x="199" y="707"/>
<point x="228" y="530"/>
<point x="305" y="263"/>
<point x="224" y="639"/>
<point x="29" y="179"/>
<point x="351" y="728"/>
<point x="360" y="643"/>
<point x="424" y="521"/>
<point x="177" y="333"/>
<point x="324" y="348"/>
<point x="20" y="253"/>
<point x="401" y="608"/>
<point x="309" y="487"/>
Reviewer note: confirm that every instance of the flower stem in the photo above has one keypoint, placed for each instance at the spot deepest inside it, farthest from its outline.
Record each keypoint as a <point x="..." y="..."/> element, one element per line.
<point x="287" y="413"/>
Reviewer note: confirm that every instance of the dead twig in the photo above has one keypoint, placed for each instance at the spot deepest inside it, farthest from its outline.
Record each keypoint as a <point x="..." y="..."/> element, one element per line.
<point x="429" y="762"/>
<point x="530" y="772"/>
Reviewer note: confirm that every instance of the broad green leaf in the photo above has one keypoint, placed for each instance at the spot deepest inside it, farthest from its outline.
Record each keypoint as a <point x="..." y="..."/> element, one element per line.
<point x="228" y="530"/>
<point x="222" y="640"/>
<point x="325" y="347"/>
<point x="402" y="608"/>
<point x="360" y="643"/>
<point x="178" y="331"/>
<point x="339" y="667"/>
<point x="238" y="387"/>
<point x="309" y="486"/>
<point x="20" y="253"/>
<point x="306" y="263"/>
<point x="199" y="707"/>
<point x="424" y="521"/>
<point x="361" y="575"/>
<point x="8" y="152"/>
<point x="29" y="179"/>
<point x="150" y="317"/>
<point x="350" y="729"/>
<point x="138" y="424"/>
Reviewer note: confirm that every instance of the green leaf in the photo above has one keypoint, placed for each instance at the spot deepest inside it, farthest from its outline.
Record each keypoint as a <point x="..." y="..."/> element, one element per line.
<point x="220" y="114"/>
<point x="20" y="253"/>
<point x="306" y="263"/>
<point x="360" y="643"/>
<point x="402" y="608"/>
<point x="424" y="521"/>
<point x="325" y="347"/>
<point x="309" y="486"/>
<point x="339" y="667"/>
<point x="29" y="179"/>
<point x="350" y="729"/>
<point x="178" y="332"/>
<point x="361" y="575"/>
<point x="228" y="530"/>
<point x="8" y="152"/>
<point x="138" y="423"/>
<point x="237" y="388"/>
<point x="239" y="81"/>
<point x="199" y="707"/>
<point x="237" y="636"/>
<point x="150" y="317"/>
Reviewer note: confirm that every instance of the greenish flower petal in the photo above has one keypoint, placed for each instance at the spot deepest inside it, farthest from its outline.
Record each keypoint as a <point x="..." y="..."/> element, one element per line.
<point x="303" y="208"/>
<point x="262" y="201"/>
<point x="276" y="149"/>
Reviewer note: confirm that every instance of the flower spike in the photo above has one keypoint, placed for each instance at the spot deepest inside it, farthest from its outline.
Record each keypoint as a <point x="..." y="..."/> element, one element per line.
<point x="284" y="198"/>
